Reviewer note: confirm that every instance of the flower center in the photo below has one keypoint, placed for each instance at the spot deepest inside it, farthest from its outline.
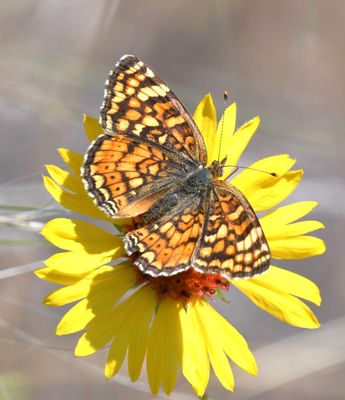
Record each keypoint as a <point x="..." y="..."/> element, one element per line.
<point x="187" y="286"/>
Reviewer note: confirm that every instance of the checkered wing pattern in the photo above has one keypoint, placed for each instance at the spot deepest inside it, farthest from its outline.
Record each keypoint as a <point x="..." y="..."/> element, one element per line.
<point x="166" y="247"/>
<point x="138" y="103"/>
<point x="145" y="164"/>
<point x="232" y="241"/>
<point x="126" y="177"/>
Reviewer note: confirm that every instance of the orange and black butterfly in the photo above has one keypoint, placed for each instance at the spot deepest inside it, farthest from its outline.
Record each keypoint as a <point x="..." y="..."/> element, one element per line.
<point x="152" y="161"/>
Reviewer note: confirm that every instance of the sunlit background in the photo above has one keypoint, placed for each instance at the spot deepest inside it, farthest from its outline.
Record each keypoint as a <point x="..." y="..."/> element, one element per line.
<point x="280" y="59"/>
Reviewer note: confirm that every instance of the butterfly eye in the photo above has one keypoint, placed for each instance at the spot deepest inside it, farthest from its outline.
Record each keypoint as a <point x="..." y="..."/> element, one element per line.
<point x="216" y="169"/>
<point x="219" y="171"/>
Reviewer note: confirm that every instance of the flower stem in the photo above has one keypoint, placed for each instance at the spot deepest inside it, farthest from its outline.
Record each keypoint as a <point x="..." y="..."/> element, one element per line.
<point x="203" y="397"/>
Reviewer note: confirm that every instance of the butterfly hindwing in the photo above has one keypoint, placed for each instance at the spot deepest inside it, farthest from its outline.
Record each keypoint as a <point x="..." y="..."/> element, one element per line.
<point x="216" y="232"/>
<point x="166" y="246"/>
<point x="232" y="241"/>
<point x="139" y="103"/>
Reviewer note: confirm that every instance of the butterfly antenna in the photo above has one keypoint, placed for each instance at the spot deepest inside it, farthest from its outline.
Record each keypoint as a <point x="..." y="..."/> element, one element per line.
<point x="226" y="97"/>
<point x="236" y="167"/>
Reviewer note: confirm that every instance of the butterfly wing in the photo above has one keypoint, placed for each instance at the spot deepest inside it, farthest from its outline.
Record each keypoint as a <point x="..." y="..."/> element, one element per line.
<point x="154" y="142"/>
<point x="166" y="246"/>
<point x="139" y="104"/>
<point x="232" y="241"/>
<point x="216" y="232"/>
<point x="125" y="176"/>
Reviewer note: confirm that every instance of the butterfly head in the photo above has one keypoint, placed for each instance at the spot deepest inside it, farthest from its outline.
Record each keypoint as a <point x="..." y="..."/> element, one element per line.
<point x="216" y="168"/>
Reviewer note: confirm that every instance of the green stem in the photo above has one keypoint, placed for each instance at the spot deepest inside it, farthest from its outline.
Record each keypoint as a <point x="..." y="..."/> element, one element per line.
<point x="22" y="242"/>
<point x="17" y="208"/>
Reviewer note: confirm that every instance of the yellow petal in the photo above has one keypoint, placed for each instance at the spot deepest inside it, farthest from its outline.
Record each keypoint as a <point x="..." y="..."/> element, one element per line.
<point x="65" y="178"/>
<point x="221" y="367"/>
<point x="117" y="352"/>
<point x="92" y="128"/>
<point x="248" y="179"/>
<point x="77" y="318"/>
<point x="277" y="231"/>
<point x="291" y="283"/>
<point x="269" y="197"/>
<point x="205" y="117"/>
<point x="238" y="142"/>
<point x="106" y="325"/>
<point x="77" y="202"/>
<point x="281" y="305"/>
<point x="225" y="131"/>
<point x="289" y="213"/>
<point x="234" y="344"/>
<point x="113" y="280"/>
<point x="103" y="289"/>
<point x="100" y="331"/>
<point x="132" y="334"/>
<point x="296" y="247"/>
<point x="52" y="275"/>
<point x="79" y="262"/>
<point x="264" y="191"/>
<point x="71" y="234"/>
<point x="143" y="312"/>
<point x="194" y="360"/>
<point x="206" y="323"/>
<point x="164" y="346"/>
<point x="72" y="159"/>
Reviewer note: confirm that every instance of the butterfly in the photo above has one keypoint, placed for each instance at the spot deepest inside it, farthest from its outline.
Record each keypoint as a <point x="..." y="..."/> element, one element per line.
<point x="152" y="161"/>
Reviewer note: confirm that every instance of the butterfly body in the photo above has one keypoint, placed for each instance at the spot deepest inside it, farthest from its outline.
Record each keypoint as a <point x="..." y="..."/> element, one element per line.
<point x="152" y="163"/>
<point x="195" y="184"/>
<point x="199" y="177"/>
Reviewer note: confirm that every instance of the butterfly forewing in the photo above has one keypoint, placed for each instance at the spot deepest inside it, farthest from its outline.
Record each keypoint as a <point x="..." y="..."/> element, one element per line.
<point x="232" y="241"/>
<point x="125" y="176"/>
<point x="138" y="103"/>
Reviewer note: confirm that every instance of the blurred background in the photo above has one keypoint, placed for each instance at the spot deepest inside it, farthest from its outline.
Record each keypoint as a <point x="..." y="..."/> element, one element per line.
<point x="282" y="60"/>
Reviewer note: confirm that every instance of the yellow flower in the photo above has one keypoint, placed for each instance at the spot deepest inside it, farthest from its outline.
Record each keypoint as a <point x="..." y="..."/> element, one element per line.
<point x="168" y="320"/>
